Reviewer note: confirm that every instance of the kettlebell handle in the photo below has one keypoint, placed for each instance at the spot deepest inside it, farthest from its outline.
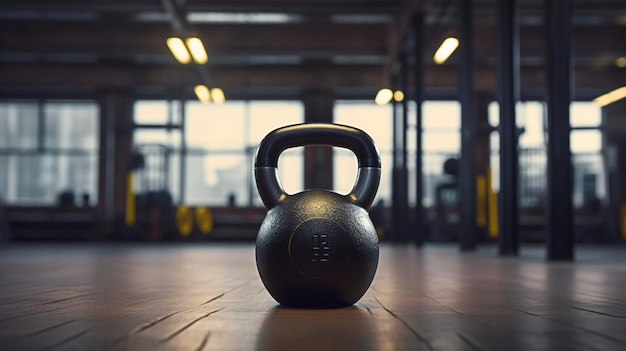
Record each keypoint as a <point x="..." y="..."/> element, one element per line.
<point x="354" y="139"/>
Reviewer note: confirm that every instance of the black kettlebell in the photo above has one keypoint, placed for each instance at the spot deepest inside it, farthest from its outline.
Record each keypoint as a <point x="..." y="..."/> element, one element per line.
<point x="317" y="248"/>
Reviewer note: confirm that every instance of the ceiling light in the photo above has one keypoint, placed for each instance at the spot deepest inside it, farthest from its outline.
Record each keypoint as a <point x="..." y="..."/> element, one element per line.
<point x="398" y="95"/>
<point x="178" y="49"/>
<point x="240" y="17"/>
<point x="611" y="96"/>
<point x="620" y="62"/>
<point x="383" y="96"/>
<point x="446" y="49"/>
<point x="197" y="50"/>
<point x="202" y="92"/>
<point x="218" y="96"/>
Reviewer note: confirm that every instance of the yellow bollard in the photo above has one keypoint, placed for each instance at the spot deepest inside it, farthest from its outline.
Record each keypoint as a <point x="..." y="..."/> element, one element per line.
<point x="492" y="203"/>
<point x="481" y="199"/>
<point x="130" y="201"/>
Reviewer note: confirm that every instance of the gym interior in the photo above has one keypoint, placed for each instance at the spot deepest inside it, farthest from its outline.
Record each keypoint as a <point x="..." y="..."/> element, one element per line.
<point x="478" y="148"/>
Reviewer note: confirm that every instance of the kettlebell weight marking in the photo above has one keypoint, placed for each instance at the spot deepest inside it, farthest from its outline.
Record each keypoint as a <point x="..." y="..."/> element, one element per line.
<point x="321" y="248"/>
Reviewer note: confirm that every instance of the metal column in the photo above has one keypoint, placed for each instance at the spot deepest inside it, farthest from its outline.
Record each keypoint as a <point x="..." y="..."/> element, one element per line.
<point x="183" y="151"/>
<point x="404" y="186"/>
<point x="559" y="83"/>
<point x="508" y="95"/>
<point x="467" y="183"/>
<point x="419" y="99"/>
<point x="399" y="186"/>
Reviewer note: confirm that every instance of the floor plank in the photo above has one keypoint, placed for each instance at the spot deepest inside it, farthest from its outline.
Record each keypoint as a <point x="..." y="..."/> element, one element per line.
<point x="209" y="297"/>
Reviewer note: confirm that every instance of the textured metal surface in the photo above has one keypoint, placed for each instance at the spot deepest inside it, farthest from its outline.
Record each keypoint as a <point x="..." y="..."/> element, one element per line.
<point x="317" y="248"/>
<point x="286" y="257"/>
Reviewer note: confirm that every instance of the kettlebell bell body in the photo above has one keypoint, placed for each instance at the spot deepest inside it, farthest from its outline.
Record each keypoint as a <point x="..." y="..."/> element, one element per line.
<point x="317" y="248"/>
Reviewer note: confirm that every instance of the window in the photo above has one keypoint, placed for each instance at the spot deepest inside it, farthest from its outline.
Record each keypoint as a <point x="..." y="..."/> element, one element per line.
<point x="441" y="140"/>
<point x="47" y="148"/>
<point x="585" y="145"/>
<point x="377" y="122"/>
<point x="220" y="144"/>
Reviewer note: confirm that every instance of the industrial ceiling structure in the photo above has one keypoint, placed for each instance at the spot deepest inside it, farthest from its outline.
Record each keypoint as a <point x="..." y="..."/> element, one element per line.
<point x="282" y="48"/>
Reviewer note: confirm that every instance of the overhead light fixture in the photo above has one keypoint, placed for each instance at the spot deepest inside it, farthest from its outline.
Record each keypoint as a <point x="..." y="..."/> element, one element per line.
<point x="197" y="50"/>
<point x="202" y="93"/>
<point x="446" y="49"/>
<point x="218" y="96"/>
<point x="620" y="62"/>
<point x="383" y="96"/>
<point x="611" y="96"/>
<point x="398" y="95"/>
<point x="178" y="49"/>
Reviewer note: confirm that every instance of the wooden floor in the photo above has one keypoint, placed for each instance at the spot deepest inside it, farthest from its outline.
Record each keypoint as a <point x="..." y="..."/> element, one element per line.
<point x="209" y="297"/>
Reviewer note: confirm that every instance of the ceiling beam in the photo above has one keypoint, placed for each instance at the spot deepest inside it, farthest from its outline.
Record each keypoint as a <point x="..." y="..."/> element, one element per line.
<point x="286" y="6"/>
<point x="85" y="36"/>
<point x="106" y="38"/>
<point x="102" y="76"/>
<point x="128" y="76"/>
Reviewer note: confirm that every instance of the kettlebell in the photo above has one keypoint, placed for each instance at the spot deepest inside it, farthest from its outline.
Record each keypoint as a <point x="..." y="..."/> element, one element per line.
<point x="317" y="248"/>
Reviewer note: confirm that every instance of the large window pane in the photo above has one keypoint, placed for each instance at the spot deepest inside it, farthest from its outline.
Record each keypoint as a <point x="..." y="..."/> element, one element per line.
<point x="587" y="160"/>
<point x="585" y="141"/>
<point x="71" y="125"/>
<point x="441" y="115"/>
<point x="159" y="147"/>
<point x="152" y="112"/>
<point x="216" y="127"/>
<point x="40" y="179"/>
<point x="441" y="140"/>
<point x="530" y="116"/>
<point x="48" y="147"/>
<point x="444" y="142"/>
<point x="267" y="116"/>
<point x="586" y="145"/>
<point x="167" y="138"/>
<point x="19" y="125"/>
<point x="377" y="122"/>
<point x="221" y="141"/>
<point x="216" y="178"/>
<point x="585" y="114"/>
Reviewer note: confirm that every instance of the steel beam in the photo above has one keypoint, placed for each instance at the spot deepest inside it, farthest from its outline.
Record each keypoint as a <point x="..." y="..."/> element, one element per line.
<point x="508" y="95"/>
<point x="467" y="174"/>
<point x="418" y="73"/>
<point x="559" y="83"/>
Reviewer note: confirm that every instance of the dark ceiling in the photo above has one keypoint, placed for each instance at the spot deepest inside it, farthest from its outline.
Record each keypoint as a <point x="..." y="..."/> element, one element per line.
<point x="279" y="48"/>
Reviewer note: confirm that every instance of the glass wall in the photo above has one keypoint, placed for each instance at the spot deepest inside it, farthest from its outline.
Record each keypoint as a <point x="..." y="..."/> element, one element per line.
<point x="48" y="148"/>
<point x="441" y="140"/>
<point x="585" y="144"/>
<point x="219" y="145"/>
<point x="377" y="122"/>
